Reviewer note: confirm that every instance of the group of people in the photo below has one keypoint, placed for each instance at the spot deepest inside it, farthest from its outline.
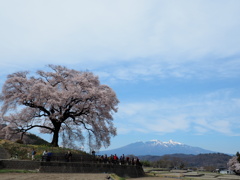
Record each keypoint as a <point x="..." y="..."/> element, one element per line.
<point x="114" y="159"/>
<point x="46" y="156"/>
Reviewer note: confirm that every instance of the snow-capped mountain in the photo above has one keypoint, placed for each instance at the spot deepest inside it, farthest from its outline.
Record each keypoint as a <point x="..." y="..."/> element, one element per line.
<point x="157" y="148"/>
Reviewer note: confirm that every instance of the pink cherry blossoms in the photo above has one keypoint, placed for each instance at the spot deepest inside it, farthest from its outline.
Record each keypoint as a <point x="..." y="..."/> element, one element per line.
<point x="63" y="100"/>
<point x="234" y="164"/>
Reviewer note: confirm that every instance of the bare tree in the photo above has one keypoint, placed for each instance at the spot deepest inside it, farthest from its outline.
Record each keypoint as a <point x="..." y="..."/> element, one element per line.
<point x="62" y="100"/>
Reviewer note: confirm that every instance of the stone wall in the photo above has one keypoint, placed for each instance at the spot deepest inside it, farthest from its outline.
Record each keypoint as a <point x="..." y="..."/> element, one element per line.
<point x="74" y="167"/>
<point x="20" y="164"/>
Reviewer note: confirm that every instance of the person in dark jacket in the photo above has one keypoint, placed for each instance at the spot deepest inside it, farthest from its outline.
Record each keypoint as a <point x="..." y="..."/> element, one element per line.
<point x="68" y="156"/>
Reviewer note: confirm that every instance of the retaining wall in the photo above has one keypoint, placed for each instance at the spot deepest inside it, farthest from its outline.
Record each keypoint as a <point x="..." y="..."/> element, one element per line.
<point x="74" y="167"/>
<point x="20" y="164"/>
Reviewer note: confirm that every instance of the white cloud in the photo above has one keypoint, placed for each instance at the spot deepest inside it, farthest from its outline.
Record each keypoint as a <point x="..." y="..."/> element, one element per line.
<point x="200" y="130"/>
<point x="101" y="32"/>
<point x="200" y="114"/>
<point x="168" y="124"/>
<point x="153" y="69"/>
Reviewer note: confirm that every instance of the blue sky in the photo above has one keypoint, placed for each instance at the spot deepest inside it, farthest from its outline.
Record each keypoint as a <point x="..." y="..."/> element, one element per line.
<point x="175" y="65"/>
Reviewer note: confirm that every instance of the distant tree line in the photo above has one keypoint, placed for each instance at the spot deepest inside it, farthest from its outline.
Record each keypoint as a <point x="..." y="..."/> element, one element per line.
<point x="210" y="162"/>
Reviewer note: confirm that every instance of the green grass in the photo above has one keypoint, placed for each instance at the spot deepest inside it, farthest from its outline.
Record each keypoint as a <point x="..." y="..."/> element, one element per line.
<point x="23" y="149"/>
<point x="16" y="171"/>
<point x="116" y="177"/>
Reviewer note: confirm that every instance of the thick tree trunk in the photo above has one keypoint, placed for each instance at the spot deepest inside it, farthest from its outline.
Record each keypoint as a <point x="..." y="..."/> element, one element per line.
<point x="56" y="134"/>
<point x="21" y="137"/>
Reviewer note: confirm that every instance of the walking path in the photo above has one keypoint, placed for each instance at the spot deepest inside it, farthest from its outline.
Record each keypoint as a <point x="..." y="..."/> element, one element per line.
<point x="53" y="176"/>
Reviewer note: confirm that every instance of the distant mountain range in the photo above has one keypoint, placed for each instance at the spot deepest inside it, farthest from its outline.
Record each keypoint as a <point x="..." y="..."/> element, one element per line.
<point x="156" y="148"/>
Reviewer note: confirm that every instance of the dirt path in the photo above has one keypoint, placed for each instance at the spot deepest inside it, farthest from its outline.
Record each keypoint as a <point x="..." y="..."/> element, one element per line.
<point x="52" y="176"/>
<point x="65" y="176"/>
<point x="152" y="178"/>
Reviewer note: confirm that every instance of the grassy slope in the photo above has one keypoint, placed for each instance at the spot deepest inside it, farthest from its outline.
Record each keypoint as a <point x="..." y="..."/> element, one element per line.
<point x="23" y="149"/>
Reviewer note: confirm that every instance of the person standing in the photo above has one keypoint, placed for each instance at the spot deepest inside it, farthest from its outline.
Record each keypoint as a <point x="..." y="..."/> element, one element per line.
<point x="44" y="153"/>
<point x="68" y="156"/>
<point x="33" y="154"/>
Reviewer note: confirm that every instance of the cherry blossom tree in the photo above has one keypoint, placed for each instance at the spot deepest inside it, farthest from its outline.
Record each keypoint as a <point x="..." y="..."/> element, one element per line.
<point x="62" y="100"/>
<point x="234" y="164"/>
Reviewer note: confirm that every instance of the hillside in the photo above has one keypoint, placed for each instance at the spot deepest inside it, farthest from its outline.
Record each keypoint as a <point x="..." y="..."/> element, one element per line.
<point x="216" y="160"/>
<point x="23" y="150"/>
<point x="8" y="133"/>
